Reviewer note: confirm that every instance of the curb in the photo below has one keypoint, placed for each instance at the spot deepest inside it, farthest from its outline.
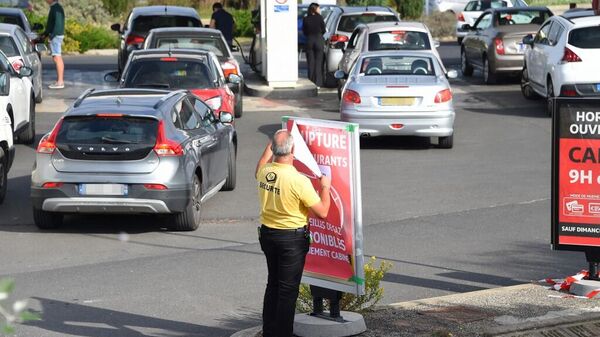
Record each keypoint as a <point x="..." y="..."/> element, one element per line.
<point x="250" y="332"/>
<point x="256" y="86"/>
<point x="542" y="324"/>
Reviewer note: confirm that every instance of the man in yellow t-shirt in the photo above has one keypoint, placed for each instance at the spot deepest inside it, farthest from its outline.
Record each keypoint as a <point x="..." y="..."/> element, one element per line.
<point x="285" y="196"/>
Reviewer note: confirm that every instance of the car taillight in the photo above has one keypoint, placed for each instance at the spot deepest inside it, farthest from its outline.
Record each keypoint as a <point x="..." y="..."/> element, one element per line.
<point x="164" y="146"/>
<point x="17" y="65"/>
<point x="499" y="46"/>
<point x="570" y="56"/>
<point x="351" y="96"/>
<point x="461" y="17"/>
<point x="47" y="144"/>
<point x="338" y="38"/>
<point x="214" y="103"/>
<point x="52" y="185"/>
<point x="168" y="59"/>
<point x="443" y="96"/>
<point x="569" y="91"/>
<point x="229" y="67"/>
<point x="159" y="187"/>
<point x="134" y="39"/>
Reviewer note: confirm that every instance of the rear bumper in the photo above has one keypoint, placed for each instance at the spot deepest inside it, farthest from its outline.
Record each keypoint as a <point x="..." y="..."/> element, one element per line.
<point x="508" y="63"/>
<point x="422" y="124"/>
<point x="334" y="56"/>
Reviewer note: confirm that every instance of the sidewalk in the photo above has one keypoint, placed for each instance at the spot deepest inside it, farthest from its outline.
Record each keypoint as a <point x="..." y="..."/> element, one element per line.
<point x="517" y="311"/>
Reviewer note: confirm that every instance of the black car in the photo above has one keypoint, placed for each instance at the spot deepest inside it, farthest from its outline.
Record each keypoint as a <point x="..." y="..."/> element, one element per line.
<point x="142" y="19"/>
<point x="15" y="16"/>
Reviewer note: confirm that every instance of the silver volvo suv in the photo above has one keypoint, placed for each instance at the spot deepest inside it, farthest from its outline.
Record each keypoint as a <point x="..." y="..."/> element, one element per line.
<point x="134" y="151"/>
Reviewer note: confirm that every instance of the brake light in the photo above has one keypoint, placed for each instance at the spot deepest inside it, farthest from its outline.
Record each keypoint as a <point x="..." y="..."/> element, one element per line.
<point x="351" y="96"/>
<point x="570" y="56"/>
<point x="168" y="59"/>
<point x="47" y="144"/>
<point x="17" y="65"/>
<point x="52" y="185"/>
<point x="134" y="39"/>
<point x="110" y="115"/>
<point x="499" y="44"/>
<point x="443" y="96"/>
<point x="158" y="187"/>
<point x="229" y="67"/>
<point x="164" y="146"/>
<point x="338" y="38"/>
<point x="569" y="91"/>
<point x="396" y="126"/>
<point x="214" y="103"/>
<point x="461" y="17"/>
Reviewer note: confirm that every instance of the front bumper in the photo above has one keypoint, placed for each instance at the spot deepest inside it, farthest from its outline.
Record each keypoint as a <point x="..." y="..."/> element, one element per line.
<point x="422" y="124"/>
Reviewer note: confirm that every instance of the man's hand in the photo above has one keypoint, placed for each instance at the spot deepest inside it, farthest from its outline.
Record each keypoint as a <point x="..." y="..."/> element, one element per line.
<point x="325" y="182"/>
<point x="264" y="158"/>
<point x="321" y="209"/>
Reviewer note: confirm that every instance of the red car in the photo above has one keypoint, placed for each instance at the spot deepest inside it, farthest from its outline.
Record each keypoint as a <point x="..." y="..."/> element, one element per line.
<point x="194" y="70"/>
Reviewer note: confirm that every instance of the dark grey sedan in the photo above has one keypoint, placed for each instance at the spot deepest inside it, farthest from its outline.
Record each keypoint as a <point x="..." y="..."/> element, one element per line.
<point x="494" y="42"/>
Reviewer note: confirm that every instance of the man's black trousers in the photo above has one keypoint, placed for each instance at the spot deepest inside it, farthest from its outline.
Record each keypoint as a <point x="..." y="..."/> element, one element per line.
<point x="285" y="251"/>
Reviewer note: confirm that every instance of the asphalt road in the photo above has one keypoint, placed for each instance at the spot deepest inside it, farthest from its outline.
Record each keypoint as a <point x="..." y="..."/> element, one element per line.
<point x="473" y="217"/>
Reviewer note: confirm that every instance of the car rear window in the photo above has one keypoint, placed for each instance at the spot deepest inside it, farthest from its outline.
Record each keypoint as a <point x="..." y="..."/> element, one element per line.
<point x="8" y="46"/>
<point x="143" y="24"/>
<point x="397" y="65"/>
<point x="169" y="73"/>
<point x="522" y="17"/>
<point x="399" y="39"/>
<point x="98" y="137"/>
<point x="212" y="44"/>
<point x="11" y="20"/>
<point x="586" y="38"/>
<point x="349" y="22"/>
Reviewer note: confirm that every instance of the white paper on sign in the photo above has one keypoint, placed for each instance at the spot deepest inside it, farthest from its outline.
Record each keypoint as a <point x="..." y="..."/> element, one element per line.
<point x="302" y="153"/>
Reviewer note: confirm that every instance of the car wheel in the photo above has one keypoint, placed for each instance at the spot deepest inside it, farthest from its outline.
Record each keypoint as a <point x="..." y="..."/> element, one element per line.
<point x="549" y="98"/>
<point x="329" y="80"/>
<point x="239" y="106"/>
<point x="3" y="174"/>
<point x="189" y="219"/>
<point x="465" y="67"/>
<point x="39" y="98"/>
<point x="46" y="220"/>
<point x="446" y="142"/>
<point x="526" y="89"/>
<point x="28" y="135"/>
<point x="231" y="170"/>
<point x="489" y="76"/>
<point x="459" y="40"/>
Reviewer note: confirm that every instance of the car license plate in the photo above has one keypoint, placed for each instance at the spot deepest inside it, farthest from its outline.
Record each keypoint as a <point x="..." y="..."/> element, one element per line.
<point x="103" y="189"/>
<point x="398" y="101"/>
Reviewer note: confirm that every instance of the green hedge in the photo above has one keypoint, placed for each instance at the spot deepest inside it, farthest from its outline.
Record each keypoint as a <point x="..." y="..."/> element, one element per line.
<point x="243" y="24"/>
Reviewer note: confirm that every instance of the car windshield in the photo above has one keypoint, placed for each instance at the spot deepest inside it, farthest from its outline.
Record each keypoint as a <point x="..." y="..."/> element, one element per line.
<point x="483" y="5"/>
<point x="522" y="17"/>
<point x="11" y="20"/>
<point x="169" y="73"/>
<point x="8" y="46"/>
<point x="397" y="65"/>
<point x="143" y="24"/>
<point x="399" y="39"/>
<point x="349" y="22"/>
<point x="207" y="43"/>
<point x="586" y="38"/>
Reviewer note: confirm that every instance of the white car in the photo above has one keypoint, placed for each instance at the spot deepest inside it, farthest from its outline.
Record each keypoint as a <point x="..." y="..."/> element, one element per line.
<point x="475" y="8"/>
<point x="562" y="58"/>
<point x="7" y="149"/>
<point x="21" y="101"/>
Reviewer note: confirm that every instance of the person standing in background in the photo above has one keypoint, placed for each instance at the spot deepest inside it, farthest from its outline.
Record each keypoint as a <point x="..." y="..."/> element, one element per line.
<point x="222" y="21"/>
<point x="313" y="27"/>
<point x="55" y="30"/>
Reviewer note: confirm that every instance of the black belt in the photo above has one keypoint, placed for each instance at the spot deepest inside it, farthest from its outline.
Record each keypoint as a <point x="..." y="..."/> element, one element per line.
<point x="290" y="230"/>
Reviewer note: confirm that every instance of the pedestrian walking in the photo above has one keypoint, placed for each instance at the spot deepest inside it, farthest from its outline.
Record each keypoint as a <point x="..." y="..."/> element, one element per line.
<point x="223" y="21"/>
<point x="55" y="30"/>
<point x="313" y="27"/>
<point x="285" y="197"/>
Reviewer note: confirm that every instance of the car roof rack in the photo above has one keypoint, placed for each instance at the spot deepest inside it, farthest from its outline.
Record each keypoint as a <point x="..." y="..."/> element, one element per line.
<point x="168" y="96"/>
<point x="83" y="96"/>
<point x="110" y="92"/>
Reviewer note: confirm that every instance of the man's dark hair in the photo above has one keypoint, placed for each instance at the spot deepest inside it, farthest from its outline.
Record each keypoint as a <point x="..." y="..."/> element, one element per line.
<point x="312" y="8"/>
<point x="217" y="5"/>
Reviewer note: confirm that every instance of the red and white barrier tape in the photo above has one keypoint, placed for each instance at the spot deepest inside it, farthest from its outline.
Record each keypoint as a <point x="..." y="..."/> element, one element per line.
<point x="565" y="285"/>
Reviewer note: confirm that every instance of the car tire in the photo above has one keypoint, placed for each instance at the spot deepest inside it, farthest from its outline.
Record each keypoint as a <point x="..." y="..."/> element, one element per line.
<point x="446" y="142"/>
<point x="489" y="76"/>
<point x="239" y="107"/>
<point x="459" y="40"/>
<point x="3" y="174"/>
<point x="549" y="96"/>
<point x="28" y="135"/>
<point x="465" y="67"/>
<point x="189" y="219"/>
<point x="329" y="80"/>
<point x="39" y="98"/>
<point x="47" y="220"/>
<point x="526" y="89"/>
<point x="231" y="170"/>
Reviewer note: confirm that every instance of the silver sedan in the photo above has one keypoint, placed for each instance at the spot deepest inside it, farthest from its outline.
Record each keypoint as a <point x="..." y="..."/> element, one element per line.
<point x="399" y="93"/>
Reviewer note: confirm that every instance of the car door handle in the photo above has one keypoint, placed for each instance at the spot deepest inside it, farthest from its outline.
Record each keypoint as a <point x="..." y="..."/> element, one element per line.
<point x="205" y="140"/>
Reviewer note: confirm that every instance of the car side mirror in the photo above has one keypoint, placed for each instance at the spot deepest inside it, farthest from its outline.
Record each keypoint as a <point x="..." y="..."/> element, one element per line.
<point x="235" y="48"/>
<point x="4" y="84"/>
<point x="233" y="78"/>
<point x="340" y="75"/>
<point x="226" y="117"/>
<point x="436" y="43"/>
<point x="25" y="71"/>
<point x="41" y="48"/>
<point x="452" y="73"/>
<point x="112" y="77"/>
<point x="466" y="26"/>
<point x="37" y="26"/>
<point x="528" y="39"/>
<point x="339" y="45"/>
<point x="116" y="27"/>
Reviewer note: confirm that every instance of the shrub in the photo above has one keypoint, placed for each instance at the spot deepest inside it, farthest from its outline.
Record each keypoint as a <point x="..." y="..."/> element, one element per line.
<point x="95" y="37"/>
<point x="408" y="9"/>
<point x="243" y="22"/>
<point x="89" y="11"/>
<point x="367" y="2"/>
<point x="441" y="24"/>
<point x="349" y="302"/>
<point x="116" y="7"/>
